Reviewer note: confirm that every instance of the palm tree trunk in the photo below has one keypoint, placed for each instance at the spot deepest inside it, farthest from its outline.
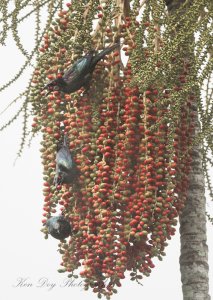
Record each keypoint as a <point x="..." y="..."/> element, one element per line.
<point x="194" y="250"/>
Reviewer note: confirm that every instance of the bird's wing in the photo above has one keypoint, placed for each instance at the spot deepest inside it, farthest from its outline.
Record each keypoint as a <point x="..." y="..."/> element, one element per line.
<point x="64" y="159"/>
<point x="78" y="69"/>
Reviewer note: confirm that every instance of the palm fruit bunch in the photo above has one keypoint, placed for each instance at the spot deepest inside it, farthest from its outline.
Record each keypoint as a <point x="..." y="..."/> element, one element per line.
<point x="129" y="135"/>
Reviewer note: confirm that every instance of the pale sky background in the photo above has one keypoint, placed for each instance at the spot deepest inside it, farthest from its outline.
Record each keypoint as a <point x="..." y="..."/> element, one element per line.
<point x="24" y="253"/>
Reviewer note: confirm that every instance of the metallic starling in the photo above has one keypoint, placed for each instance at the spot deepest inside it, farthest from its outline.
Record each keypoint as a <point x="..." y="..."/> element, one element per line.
<point x="58" y="227"/>
<point x="79" y="74"/>
<point x="66" y="170"/>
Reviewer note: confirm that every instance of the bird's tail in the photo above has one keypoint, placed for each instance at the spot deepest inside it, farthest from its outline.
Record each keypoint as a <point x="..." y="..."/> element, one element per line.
<point x="104" y="52"/>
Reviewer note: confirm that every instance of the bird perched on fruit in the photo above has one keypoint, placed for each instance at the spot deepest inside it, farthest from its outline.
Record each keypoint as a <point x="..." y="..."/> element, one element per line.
<point x="79" y="74"/>
<point x="58" y="227"/>
<point x="66" y="170"/>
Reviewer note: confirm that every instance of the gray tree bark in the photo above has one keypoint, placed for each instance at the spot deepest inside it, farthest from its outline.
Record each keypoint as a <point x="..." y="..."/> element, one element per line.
<point x="194" y="250"/>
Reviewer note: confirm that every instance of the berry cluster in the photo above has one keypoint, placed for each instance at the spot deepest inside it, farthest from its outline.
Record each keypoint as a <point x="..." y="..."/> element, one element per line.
<point x="133" y="160"/>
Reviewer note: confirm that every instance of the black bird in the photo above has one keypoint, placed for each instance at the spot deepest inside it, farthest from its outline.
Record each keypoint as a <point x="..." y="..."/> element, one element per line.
<point x="58" y="227"/>
<point x="66" y="170"/>
<point x="79" y="74"/>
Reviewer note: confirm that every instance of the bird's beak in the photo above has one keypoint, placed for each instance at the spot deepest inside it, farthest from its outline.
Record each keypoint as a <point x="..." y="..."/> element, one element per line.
<point x="46" y="88"/>
<point x="47" y="93"/>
